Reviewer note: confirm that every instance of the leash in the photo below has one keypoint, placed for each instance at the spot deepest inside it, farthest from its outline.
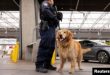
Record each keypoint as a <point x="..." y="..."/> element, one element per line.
<point x="59" y="21"/>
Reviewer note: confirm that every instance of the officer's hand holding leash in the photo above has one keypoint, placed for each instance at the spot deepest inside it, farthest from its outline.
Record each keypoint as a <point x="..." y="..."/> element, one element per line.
<point x="59" y="16"/>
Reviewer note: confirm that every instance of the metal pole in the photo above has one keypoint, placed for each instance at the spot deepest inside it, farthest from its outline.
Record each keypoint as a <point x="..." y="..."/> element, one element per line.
<point x="20" y="32"/>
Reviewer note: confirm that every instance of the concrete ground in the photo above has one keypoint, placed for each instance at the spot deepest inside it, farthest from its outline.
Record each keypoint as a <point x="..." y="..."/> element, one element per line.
<point x="7" y="67"/>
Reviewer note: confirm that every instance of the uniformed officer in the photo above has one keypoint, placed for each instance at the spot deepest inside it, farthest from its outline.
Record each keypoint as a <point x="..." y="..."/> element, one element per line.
<point x="49" y="22"/>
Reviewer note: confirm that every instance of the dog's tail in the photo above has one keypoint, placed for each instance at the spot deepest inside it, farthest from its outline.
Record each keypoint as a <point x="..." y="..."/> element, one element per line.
<point x="85" y="50"/>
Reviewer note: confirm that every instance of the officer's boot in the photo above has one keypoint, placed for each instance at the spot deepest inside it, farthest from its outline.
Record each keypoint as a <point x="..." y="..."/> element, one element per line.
<point x="40" y="68"/>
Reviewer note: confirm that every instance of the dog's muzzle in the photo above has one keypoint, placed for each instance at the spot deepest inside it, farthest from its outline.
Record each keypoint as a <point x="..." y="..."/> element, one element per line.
<point x="62" y="38"/>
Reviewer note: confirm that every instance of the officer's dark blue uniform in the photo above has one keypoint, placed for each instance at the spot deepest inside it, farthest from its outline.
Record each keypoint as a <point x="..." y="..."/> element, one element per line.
<point x="47" y="43"/>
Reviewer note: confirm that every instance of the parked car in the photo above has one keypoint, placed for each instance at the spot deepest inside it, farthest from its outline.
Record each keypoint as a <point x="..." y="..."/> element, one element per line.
<point x="99" y="51"/>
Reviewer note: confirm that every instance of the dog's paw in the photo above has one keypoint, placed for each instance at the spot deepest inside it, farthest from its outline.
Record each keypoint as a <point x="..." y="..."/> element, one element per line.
<point x="59" y="70"/>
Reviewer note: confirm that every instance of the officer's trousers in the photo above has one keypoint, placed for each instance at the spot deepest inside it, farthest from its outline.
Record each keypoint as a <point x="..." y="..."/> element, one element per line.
<point x="46" y="48"/>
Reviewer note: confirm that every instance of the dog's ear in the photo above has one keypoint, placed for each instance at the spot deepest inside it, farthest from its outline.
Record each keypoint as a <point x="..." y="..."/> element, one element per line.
<point x="70" y="34"/>
<point x="57" y="35"/>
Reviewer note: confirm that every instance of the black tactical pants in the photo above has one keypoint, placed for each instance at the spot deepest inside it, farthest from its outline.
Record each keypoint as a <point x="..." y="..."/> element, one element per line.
<point x="46" y="48"/>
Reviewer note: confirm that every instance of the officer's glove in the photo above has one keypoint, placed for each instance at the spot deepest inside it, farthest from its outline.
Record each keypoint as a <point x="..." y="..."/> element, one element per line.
<point x="59" y="16"/>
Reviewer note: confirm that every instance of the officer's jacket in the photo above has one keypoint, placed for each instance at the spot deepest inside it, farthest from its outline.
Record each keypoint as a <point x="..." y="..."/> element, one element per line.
<point x="48" y="13"/>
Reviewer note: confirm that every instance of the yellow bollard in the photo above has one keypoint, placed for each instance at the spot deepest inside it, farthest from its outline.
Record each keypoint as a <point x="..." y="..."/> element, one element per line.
<point x="53" y="58"/>
<point x="15" y="52"/>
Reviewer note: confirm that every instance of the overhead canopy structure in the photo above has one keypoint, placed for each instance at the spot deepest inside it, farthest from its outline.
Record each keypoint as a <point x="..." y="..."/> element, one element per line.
<point x="9" y="5"/>
<point x="78" y="14"/>
<point x="9" y="13"/>
<point x="85" y="20"/>
<point x="68" y="5"/>
<point x="82" y="5"/>
<point x="9" y="19"/>
<point x="88" y="14"/>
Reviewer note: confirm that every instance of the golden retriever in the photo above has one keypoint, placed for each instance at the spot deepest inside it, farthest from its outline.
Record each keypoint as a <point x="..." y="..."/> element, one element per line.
<point x="69" y="49"/>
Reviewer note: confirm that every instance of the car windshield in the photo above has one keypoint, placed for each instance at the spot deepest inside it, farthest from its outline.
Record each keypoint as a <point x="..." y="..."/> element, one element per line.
<point x="99" y="43"/>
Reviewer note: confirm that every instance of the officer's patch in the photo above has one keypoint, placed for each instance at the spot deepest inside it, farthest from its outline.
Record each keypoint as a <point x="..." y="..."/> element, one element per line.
<point x="45" y="4"/>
